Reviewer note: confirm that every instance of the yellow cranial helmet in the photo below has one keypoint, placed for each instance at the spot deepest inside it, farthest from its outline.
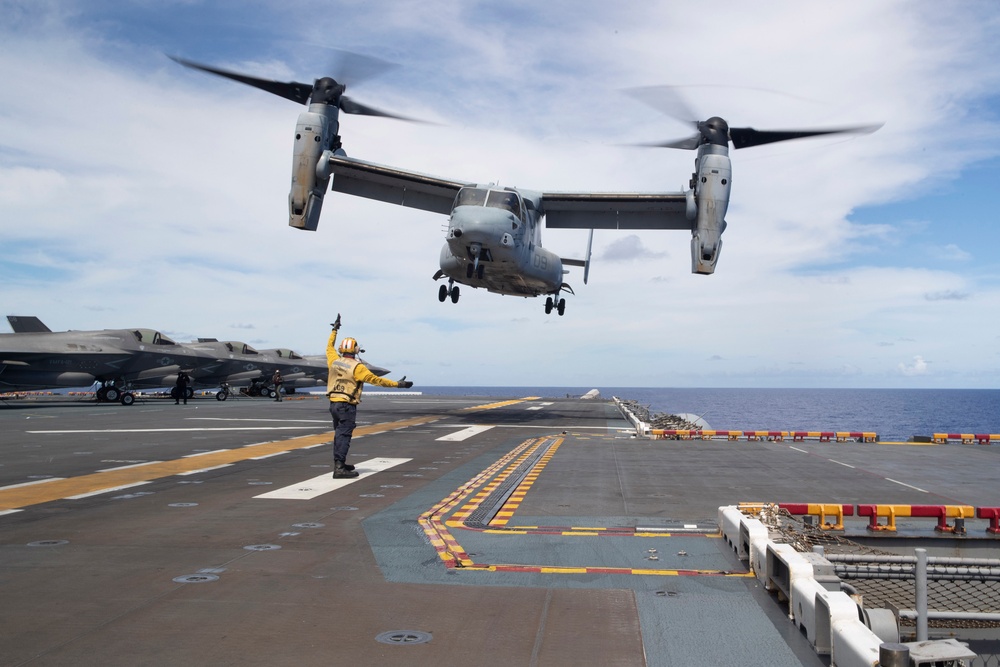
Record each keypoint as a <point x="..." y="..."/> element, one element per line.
<point x="349" y="346"/>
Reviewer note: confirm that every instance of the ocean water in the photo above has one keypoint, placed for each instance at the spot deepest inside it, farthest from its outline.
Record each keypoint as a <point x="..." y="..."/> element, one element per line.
<point x="894" y="414"/>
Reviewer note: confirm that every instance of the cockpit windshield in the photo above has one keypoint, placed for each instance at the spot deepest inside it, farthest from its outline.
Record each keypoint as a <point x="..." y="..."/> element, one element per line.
<point x="504" y="199"/>
<point x="151" y="336"/>
<point x="508" y="201"/>
<point x="471" y="197"/>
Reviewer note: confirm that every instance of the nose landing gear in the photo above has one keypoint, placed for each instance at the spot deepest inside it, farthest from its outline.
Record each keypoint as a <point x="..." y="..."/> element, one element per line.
<point x="449" y="290"/>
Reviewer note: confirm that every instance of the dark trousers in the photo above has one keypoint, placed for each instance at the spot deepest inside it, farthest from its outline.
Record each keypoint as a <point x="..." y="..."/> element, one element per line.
<point x="344" y="419"/>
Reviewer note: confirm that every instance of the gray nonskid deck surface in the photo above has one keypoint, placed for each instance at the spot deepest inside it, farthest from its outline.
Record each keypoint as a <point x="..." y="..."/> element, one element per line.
<point x="193" y="568"/>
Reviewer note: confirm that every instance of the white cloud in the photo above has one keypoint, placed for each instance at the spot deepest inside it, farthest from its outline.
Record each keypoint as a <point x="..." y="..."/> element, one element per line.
<point x="917" y="367"/>
<point x="134" y="192"/>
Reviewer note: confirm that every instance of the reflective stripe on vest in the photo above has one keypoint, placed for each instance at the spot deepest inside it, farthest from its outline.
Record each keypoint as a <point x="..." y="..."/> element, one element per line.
<point x="341" y="381"/>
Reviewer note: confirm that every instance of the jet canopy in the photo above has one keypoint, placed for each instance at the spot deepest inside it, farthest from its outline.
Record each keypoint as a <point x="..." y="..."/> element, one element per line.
<point x="151" y="337"/>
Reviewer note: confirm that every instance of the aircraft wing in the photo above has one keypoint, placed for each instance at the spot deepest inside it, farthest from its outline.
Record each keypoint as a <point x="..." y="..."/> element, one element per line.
<point x="394" y="186"/>
<point x="616" y="210"/>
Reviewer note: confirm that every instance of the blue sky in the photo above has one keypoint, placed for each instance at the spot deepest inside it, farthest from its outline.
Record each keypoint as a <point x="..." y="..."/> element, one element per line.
<point x="134" y="192"/>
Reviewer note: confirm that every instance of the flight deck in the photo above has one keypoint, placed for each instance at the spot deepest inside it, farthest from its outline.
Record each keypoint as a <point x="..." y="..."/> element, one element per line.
<point x="527" y="531"/>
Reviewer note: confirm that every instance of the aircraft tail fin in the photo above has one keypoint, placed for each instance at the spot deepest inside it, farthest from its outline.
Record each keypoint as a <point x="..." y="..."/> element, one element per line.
<point x="585" y="263"/>
<point x="27" y="324"/>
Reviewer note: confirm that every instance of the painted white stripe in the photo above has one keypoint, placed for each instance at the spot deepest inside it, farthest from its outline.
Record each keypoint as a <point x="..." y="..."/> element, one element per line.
<point x="317" y="486"/>
<point x="798" y="450"/>
<point x="214" y="451"/>
<point x="266" y="456"/>
<point x="134" y="465"/>
<point x="2" y="512"/>
<point x="107" y="490"/>
<point x="537" y="407"/>
<point x="465" y="433"/>
<point x="37" y="481"/>
<point x="180" y="430"/>
<point x="841" y="464"/>
<point x="915" y="488"/>
<point x="195" y="472"/>
<point x="237" y="419"/>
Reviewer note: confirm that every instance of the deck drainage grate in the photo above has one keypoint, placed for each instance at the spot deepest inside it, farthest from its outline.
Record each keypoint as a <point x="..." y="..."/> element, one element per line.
<point x="196" y="578"/>
<point x="404" y="637"/>
<point x="262" y="547"/>
<point x="48" y="543"/>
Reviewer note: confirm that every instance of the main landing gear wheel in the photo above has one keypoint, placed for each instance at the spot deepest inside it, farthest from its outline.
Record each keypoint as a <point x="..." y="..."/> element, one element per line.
<point x="454" y="293"/>
<point x="112" y="394"/>
<point x="559" y="306"/>
<point x="443" y="293"/>
<point x="128" y="398"/>
<point x="222" y="395"/>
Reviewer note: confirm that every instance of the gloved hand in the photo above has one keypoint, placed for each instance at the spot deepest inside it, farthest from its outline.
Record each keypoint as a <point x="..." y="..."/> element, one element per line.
<point x="336" y="323"/>
<point x="404" y="383"/>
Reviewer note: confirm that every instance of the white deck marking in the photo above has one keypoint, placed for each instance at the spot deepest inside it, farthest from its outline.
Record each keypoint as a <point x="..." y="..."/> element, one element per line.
<point x="195" y="472"/>
<point x="317" y="486"/>
<point x="846" y="465"/>
<point x="465" y="433"/>
<point x="107" y="490"/>
<point x="134" y="465"/>
<point x="798" y="450"/>
<point x="909" y="486"/>
<point x="2" y="512"/>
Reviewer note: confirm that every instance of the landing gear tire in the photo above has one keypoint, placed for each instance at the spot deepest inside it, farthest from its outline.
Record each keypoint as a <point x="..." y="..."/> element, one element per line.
<point x="128" y="398"/>
<point x="190" y="392"/>
<point x="265" y="392"/>
<point x="548" y="305"/>
<point x="102" y="394"/>
<point x="454" y="294"/>
<point x="111" y="394"/>
<point x="443" y="293"/>
<point x="468" y="270"/>
<point x="561" y="307"/>
<point x="222" y="395"/>
<point x="480" y="271"/>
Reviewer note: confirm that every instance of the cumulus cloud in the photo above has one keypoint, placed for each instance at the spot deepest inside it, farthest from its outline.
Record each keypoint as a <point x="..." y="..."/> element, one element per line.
<point x="627" y="249"/>
<point x="917" y="367"/>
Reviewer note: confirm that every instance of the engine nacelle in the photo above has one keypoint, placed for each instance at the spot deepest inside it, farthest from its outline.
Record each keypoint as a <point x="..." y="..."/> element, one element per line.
<point x="713" y="182"/>
<point x="315" y="136"/>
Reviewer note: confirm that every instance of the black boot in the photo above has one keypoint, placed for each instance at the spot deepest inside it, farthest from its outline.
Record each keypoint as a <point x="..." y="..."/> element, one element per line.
<point x="340" y="471"/>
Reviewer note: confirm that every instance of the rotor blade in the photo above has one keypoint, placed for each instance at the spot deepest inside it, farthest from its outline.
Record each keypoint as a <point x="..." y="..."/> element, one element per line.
<point x="746" y="137"/>
<point x="348" y="105"/>
<point x="293" y="90"/>
<point x="690" y="143"/>
<point x="353" y="68"/>
<point x="664" y="99"/>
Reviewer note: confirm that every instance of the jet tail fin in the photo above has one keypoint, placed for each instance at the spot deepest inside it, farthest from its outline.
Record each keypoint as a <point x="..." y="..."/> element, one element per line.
<point x="27" y="324"/>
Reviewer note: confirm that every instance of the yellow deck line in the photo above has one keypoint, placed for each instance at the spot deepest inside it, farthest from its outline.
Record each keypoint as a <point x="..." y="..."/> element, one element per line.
<point x="14" y="498"/>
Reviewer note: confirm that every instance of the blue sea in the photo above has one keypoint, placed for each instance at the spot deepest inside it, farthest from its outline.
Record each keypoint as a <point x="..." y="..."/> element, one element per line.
<point x="894" y="414"/>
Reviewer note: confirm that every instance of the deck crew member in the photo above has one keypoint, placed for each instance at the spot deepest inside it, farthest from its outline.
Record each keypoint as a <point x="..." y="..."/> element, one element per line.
<point x="346" y="380"/>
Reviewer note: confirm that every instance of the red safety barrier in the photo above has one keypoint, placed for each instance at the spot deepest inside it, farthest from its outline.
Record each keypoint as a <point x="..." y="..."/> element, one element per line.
<point x="822" y="510"/>
<point x="991" y="513"/>
<point x="890" y="512"/>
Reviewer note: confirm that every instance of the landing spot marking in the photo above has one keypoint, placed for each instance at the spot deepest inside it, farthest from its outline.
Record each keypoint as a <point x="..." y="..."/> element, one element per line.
<point x="464" y="434"/>
<point x="325" y="483"/>
<point x="909" y="486"/>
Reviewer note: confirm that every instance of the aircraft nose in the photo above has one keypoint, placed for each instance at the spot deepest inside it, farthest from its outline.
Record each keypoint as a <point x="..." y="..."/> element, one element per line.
<point x="480" y="223"/>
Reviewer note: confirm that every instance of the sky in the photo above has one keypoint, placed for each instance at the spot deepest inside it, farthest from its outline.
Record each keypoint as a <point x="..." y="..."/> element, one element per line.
<point x="137" y="193"/>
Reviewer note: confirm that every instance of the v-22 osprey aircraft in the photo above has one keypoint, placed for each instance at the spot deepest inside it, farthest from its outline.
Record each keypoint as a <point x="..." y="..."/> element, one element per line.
<point x="493" y="239"/>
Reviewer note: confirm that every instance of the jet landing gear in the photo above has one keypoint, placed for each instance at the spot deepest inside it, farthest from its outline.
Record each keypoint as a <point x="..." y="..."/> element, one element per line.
<point x="449" y="290"/>
<point x="559" y="305"/>
<point x="110" y="393"/>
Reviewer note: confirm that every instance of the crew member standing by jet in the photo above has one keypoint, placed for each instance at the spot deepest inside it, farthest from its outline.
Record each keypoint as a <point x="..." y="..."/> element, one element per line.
<point x="182" y="388"/>
<point x="277" y="381"/>
<point x="346" y="380"/>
